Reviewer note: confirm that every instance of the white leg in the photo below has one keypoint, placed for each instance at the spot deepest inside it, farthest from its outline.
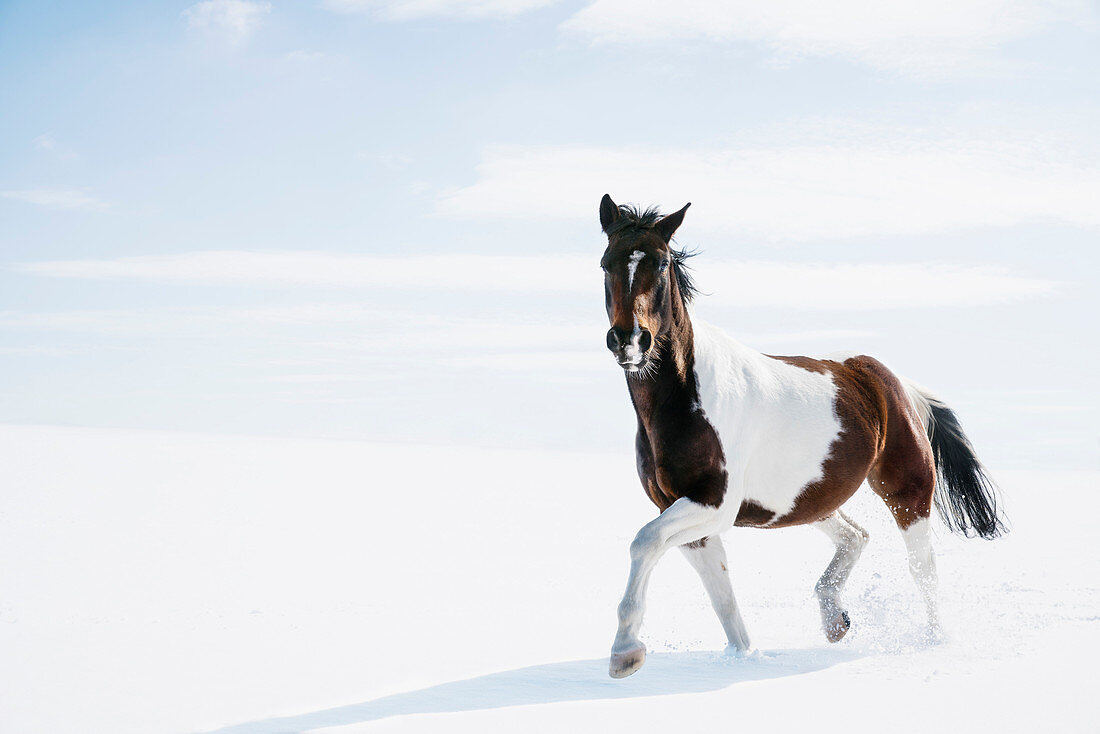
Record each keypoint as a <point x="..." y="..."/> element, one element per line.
<point x="683" y="522"/>
<point x="709" y="561"/>
<point x="922" y="565"/>
<point x="849" y="539"/>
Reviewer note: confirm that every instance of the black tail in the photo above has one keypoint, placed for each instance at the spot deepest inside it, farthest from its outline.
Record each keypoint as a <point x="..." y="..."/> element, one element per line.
<point x="965" y="497"/>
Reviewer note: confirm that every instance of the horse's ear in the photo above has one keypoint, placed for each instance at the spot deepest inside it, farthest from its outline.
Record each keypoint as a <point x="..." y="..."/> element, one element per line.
<point x="609" y="212"/>
<point x="667" y="226"/>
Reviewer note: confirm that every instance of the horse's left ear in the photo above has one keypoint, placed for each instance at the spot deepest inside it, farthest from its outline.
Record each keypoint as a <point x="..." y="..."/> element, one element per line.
<point x="667" y="226"/>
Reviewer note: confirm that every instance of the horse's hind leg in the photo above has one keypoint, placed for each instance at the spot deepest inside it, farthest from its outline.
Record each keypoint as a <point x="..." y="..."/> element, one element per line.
<point x="849" y="539"/>
<point x="708" y="558"/>
<point x="908" y="494"/>
<point x="905" y="478"/>
<point x="922" y="566"/>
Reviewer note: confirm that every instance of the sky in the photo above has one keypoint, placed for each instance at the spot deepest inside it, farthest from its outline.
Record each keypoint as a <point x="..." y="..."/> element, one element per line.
<point x="377" y="219"/>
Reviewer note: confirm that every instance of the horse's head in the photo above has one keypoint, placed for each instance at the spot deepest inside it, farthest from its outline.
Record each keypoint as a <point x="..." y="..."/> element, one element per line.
<point x="640" y="276"/>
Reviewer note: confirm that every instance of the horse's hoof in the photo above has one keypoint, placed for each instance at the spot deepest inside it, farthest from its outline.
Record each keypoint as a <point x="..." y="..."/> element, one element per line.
<point x="626" y="663"/>
<point x="742" y="653"/>
<point x="838" y="627"/>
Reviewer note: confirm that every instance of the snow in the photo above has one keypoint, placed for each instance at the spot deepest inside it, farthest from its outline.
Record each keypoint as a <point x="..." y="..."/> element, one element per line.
<point x="164" y="582"/>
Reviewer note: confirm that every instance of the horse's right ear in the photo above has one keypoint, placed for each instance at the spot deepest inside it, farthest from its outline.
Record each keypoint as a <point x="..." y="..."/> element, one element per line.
<point x="609" y="212"/>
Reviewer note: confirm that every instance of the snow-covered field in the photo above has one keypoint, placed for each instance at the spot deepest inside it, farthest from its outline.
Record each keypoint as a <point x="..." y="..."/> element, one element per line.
<point x="160" y="582"/>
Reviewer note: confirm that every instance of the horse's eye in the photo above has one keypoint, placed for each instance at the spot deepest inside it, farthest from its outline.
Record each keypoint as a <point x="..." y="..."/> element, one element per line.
<point x="663" y="266"/>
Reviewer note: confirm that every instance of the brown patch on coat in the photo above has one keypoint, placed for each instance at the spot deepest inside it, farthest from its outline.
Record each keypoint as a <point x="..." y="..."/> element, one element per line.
<point x="753" y="515"/>
<point x="905" y="474"/>
<point x="881" y="439"/>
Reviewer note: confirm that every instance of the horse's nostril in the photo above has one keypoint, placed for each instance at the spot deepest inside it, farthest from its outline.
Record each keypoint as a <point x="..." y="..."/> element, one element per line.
<point x="612" y="339"/>
<point x="645" y="341"/>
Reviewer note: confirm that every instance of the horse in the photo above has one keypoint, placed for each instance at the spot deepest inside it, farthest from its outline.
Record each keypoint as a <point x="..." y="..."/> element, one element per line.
<point x="728" y="436"/>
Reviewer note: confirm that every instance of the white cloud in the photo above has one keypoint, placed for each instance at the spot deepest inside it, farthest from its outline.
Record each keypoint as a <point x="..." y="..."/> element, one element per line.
<point x="482" y="272"/>
<point x="846" y="188"/>
<point x="322" y="378"/>
<point x="416" y="9"/>
<point x="865" y="285"/>
<point x="35" y="351"/>
<point x="45" y="142"/>
<point x="48" y="143"/>
<point x="58" y="199"/>
<point x="730" y="283"/>
<point x="302" y="56"/>
<point x="232" y="19"/>
<point x="828" y="335"/>
<point x="525" y="361"/>
<point x="934" y="36"/>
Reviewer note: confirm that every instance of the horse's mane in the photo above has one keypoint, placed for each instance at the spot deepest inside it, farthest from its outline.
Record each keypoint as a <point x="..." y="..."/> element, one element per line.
<point x="633" y="219"/>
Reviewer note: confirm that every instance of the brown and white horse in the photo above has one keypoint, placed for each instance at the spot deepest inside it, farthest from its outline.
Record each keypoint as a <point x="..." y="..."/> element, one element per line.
<point x="729" y="436"/>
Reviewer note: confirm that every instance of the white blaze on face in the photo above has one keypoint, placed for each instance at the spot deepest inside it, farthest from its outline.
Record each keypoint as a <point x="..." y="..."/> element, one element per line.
<point x="632" y="267"/>
<point x="633" y="352"/>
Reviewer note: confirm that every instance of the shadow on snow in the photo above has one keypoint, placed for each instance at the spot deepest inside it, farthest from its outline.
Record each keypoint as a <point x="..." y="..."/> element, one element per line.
<point x="578" y="680"/>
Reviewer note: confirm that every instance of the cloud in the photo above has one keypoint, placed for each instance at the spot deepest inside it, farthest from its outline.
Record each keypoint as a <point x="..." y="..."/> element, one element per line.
<point x="48" y="144"/>
<point x="417" y="9"/>
<point x="35" y="351"/>
<point x="730" y="283"/>
<point x="45" y="142"/>
<point x="58" y="199"/>
<point x="931" y="37"/>
<point x="303" y="56"/>
<point x="865" y="286"/>
<point x="828" y="335"/>
<point x="232" y="19"/>
<point x="843" y="188"/>
<point x="460" y="272"/>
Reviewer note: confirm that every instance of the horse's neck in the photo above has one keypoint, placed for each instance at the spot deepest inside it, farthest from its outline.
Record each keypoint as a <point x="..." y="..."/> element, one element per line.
<point x="672" y="386"/>
<point x="696" y="357"/>
<point x="718" y="356"/>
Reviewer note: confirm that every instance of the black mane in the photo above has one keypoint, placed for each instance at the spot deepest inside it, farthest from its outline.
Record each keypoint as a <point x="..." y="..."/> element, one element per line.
<point x="680" y="269"/>
<point x="634" y="219"/>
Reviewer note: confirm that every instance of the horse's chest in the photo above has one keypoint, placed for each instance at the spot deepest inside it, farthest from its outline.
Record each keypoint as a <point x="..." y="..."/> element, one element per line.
<point x="682" y="458"/>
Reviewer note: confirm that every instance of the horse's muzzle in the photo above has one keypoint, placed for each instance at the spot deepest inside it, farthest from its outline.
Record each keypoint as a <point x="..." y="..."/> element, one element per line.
<point x="629" y="347"/>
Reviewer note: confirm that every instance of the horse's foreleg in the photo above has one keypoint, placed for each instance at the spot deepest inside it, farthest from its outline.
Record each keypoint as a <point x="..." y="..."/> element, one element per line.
<point x="849" y="540"/>
<point x="683" y="522"/>
<point x="708" y="558"/>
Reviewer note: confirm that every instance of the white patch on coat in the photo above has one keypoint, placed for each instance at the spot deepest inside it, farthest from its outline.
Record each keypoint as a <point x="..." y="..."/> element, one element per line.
<point x="635" y="257"/>
<point x="776" y="422"/>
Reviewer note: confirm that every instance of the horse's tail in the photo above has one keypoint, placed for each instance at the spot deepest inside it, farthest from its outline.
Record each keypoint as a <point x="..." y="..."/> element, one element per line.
<point x="966" y="497"/>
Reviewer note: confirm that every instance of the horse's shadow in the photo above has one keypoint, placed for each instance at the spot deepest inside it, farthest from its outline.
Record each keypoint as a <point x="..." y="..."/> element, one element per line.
<point x="577" y="680"/>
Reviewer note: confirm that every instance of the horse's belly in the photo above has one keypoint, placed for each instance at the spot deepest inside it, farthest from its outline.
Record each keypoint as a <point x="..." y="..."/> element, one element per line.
<point x="775" y="481"/>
